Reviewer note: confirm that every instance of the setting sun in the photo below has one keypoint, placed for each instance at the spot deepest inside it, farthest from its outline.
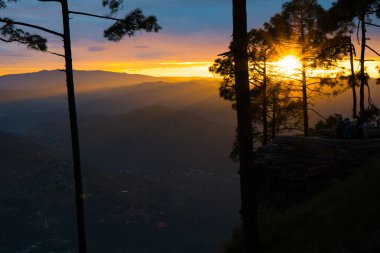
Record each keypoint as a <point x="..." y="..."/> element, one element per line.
<point x="289" y="65"/>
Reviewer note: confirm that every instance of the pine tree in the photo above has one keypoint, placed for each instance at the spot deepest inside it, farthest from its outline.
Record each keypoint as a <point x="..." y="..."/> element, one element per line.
<point x="348" y="11"/>
<point x="271" y="93"/>
<point x="301" y="27"/>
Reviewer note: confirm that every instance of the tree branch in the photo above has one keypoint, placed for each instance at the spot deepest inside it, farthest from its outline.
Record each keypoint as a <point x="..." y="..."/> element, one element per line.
<point x="372" y="24"/>
<point x="61" y="55"/>
<point x="94" y="15"/>
<point x="8" y="41"/>
<point x="373" y="50"/>
<point x="320" y="115"/>
<point x="8" y="21"/>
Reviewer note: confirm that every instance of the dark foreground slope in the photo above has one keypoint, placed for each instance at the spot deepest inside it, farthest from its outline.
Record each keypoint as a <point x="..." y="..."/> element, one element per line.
<point x="294" y="168"/>
<point x="318" y="195"/>
<point x="148" y="190"/>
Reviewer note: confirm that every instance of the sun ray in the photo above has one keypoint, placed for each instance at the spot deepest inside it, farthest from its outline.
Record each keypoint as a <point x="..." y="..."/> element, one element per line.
<point x="289" y="65"/>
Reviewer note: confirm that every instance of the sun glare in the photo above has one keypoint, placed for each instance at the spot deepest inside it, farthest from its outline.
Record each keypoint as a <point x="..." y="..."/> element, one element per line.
<point x="289" y="65"/>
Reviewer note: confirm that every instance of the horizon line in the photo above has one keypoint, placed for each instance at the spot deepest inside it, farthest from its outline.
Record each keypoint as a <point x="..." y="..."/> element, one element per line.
<point x="108" y="71"/>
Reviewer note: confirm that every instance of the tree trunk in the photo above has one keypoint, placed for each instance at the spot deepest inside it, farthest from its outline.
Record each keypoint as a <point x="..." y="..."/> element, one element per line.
<point x="245" y="136"/>
<point x="274" y="115"/>
<point x="353" y="81"/>
<point x="265" y="106"/>
<point x="304" y="83"/>
<point x="79" y="196"/>
<point x="362" y="65"/>
<point x="304" y="102"/>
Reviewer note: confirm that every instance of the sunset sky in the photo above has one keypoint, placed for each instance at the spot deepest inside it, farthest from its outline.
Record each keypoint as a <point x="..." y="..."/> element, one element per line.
<point x="194" y="33"/>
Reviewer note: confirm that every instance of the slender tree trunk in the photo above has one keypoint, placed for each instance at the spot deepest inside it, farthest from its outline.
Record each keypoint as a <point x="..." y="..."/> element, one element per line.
<point x="265" y="106"/>
<point x="353" y="81"/>
<point x="245" y="136"/>
<point x="304" y="84"/>
<point x="362" y="65"/>
<point x="274" y="125"/>
<point x="305" y="102"/>
<point x="79" y="196"/>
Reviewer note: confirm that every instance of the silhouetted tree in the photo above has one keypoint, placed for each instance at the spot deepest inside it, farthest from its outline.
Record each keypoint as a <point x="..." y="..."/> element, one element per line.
<point x="347" y="11"/>
<point x="300" y="25"/>
<point x="260" y="51"/>
<point x="271" y="99"/>
<point x="284" y="111"/>
<point x="333" y="24"/>
<point x="352" y="79"/>
<point x="132" y="22"/>
<point x="244" y="130"/>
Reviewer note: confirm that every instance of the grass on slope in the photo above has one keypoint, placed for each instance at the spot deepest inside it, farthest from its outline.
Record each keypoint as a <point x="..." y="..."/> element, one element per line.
<point x="343" y="219"/>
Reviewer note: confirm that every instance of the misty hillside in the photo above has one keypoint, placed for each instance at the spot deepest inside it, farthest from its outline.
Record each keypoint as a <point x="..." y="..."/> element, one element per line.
<point x="27" y="98"/>
<point x="199" y="96"/>
<point x="44" y="83"/>
<point x="84" y="79"/>
<point x="157" y="136"/>
<point x="156" y="168"/>
<point x="147" y="138"/>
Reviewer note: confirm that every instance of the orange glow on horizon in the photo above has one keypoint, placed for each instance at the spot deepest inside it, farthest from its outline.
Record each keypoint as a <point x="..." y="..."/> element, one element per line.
<point x="288" y="66"/>
<point x="151" y="54"/>
<point x="175" y="69"/>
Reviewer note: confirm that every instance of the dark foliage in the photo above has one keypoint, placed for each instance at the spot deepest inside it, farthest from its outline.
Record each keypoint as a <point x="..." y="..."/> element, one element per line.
<point x="346" y="10"/>
<point x="113" y="5"/>
<point x="370" y="113"/>
<point x="329" y="123"/>
<point x="268" y="91"/>
<point x="133" y="22"/>
<point x="8" y="33"/>
<point x="3" y="3"/>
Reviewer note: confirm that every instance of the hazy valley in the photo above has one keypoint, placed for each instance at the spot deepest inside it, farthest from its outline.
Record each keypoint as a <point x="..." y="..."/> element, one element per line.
<point x="156" y="169"/>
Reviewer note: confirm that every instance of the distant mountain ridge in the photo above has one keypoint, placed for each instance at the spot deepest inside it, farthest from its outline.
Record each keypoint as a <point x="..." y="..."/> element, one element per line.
<point x="52" y="82"/>
<point x="23" y="108"/>
<point x="52" y="78"/>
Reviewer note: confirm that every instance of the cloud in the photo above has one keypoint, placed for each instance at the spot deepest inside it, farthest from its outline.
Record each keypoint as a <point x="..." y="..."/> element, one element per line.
<point x="95" y="49"/>
<point x="142" y="47"/>
<point x="11" y="53"/>
<point x="152" y="55"/>
<point x="200" y="63"/>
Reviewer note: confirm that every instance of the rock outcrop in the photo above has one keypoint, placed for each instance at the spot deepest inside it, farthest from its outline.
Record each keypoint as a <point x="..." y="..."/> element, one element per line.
<point x="292" y="169"/>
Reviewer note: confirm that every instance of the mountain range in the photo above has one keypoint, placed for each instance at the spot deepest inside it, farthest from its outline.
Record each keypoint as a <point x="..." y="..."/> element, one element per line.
<point x="156" y="170"/>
